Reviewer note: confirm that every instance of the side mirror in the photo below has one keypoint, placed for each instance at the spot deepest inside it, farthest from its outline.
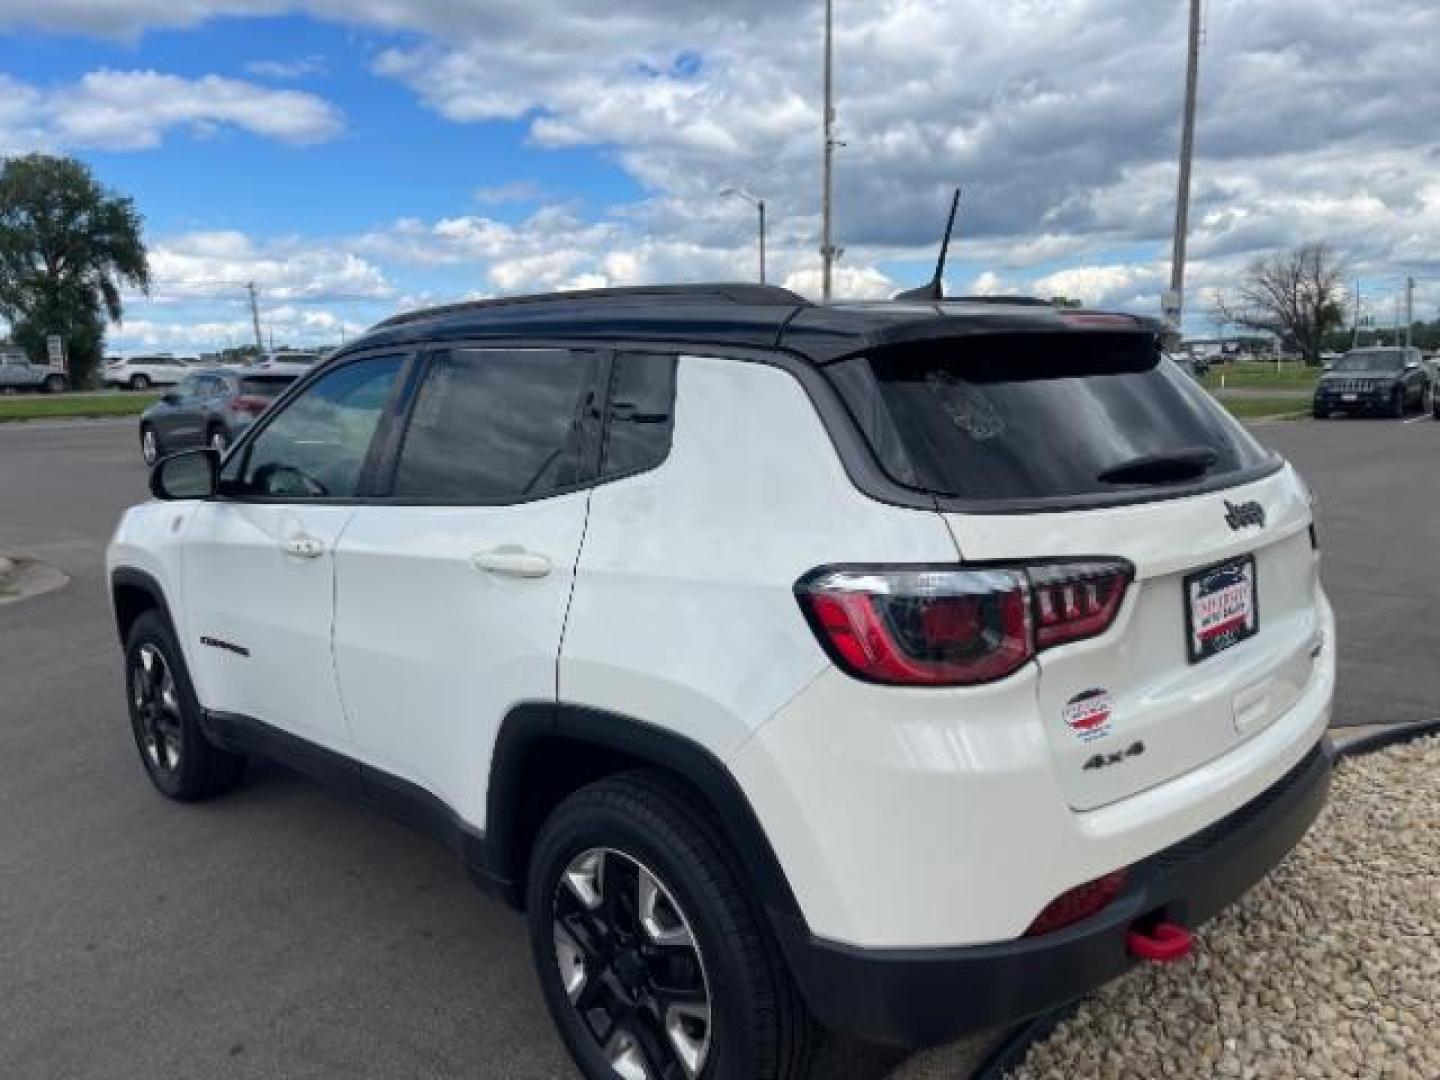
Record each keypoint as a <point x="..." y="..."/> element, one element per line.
<point x="1412" y="365"/>
<point x="170" y="397"/>
<point x="194" y="474"/>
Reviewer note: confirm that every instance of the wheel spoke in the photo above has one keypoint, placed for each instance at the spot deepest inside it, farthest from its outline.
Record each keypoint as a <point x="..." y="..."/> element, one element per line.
<point x="662" y="925"/>
<point x="626" y="1055"/>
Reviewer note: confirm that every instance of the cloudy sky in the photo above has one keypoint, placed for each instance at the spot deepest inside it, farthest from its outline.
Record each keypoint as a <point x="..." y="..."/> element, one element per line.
<point x="353" y="157"/>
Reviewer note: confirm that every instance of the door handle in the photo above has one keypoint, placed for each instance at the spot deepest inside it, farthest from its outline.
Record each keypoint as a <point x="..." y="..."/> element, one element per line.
<point x="511" y="562"/>
<point x="304" y="546"/>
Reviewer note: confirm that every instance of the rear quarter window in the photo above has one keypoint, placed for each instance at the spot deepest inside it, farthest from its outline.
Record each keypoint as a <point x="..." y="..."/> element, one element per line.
<point x="1038" y="417"/>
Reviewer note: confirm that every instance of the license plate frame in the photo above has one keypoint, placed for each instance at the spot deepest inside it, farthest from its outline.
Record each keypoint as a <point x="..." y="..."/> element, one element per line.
<point x="1225" y="629"/>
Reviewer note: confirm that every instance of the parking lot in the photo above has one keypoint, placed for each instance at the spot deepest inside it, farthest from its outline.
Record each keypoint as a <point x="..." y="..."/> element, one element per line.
<point x="285" y="932"/>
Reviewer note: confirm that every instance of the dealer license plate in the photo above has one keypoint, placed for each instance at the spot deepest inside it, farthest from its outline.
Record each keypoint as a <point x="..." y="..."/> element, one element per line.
<point x="1220" y="608"/>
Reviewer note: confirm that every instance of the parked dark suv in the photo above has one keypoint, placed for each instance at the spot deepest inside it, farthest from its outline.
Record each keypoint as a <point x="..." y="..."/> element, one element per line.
<point x="1390" y="382"/>
<point x="207" y="408"/>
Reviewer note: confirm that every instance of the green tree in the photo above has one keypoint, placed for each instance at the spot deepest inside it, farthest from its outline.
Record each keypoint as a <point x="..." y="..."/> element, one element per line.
<point x="67" y="248"/>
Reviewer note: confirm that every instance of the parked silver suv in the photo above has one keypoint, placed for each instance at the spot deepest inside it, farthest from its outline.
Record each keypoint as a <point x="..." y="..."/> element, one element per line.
<point x="18" y="373"/>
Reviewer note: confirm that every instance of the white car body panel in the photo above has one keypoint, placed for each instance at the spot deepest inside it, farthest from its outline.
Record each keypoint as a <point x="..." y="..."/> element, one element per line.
<point x="682" y="619"/>
<point x="167" y="373"/>
<point x="242" y="587"/>
<point x="912" y="819"/>
<point x="433" y="651"/>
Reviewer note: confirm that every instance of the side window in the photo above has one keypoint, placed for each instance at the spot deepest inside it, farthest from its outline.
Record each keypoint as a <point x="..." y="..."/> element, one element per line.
<point x="496" y="426"/>
<point x="641" y="415"/>
<point x="316" y="447"/>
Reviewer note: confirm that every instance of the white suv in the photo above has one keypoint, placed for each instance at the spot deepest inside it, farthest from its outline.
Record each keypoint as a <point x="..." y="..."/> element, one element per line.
<point x="904" y="668"/>
<point x="143" y="372"/>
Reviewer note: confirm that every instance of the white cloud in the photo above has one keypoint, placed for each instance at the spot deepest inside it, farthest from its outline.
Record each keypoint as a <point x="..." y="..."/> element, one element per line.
<point x="217" y="265"/>
<point x="302" y="68"/>
<point x="134" y="110"/>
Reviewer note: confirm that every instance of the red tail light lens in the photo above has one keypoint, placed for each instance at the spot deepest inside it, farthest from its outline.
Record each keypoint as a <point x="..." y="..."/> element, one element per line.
<point x="919" y="626"/>
<point x="922" y="627"/>
<point x="1078" y="903"/>
<point x="1076" y="600"/>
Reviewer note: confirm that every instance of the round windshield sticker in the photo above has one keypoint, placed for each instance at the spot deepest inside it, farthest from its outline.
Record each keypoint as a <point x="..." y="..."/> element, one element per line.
<point x="1087" y="714"/>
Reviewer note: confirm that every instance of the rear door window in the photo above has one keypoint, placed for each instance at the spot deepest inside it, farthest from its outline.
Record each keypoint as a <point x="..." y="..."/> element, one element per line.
<point x="497" y="426"/>
<point x="641" y="415"/>
<point x="1043" y="417"/>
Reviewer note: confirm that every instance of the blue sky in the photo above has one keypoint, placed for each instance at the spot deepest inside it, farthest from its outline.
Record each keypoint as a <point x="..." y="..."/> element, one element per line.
<point x="359" y="157"/>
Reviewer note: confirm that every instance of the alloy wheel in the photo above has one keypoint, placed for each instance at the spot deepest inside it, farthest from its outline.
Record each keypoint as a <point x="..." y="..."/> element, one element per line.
<point x="157" y="708"/>
<point x="149" y="449"/>
<point x="630" y="964"/>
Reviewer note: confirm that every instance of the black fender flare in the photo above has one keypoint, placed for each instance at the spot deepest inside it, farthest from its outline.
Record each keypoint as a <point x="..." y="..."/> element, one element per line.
<point x="127" y="577"/>
<point x="529" y="723"/>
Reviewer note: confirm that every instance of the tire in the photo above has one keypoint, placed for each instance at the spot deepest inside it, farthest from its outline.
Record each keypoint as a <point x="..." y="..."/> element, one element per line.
<point x="139" y="382"/>
<point x="149" y="445"/>
<point x="1320" y="412"/>
<point x="165" y="718"/>
<point x="1397" y="405"/>
<point x="704" y="942"/>
<point x="55" y="384"/>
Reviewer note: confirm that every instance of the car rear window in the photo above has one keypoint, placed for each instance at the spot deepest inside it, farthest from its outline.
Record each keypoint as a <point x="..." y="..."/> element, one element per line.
<point x="266" y="386"/>
<point x="1041" y="417"/>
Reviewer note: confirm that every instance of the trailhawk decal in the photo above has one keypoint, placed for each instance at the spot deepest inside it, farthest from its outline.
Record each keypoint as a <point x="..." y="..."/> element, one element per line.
<point x="1087" y="714"/>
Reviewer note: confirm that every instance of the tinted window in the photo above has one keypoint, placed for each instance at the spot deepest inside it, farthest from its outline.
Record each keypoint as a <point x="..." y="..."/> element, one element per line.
<point x="641" y="413"/>
<point x="496" y="426"/>
<point x="265" y="386"/>
<point x="188" y="387"/>
<point x="1371" y="360"/>
<point x="1041" y="416"/>
<point x="317" y="445"/>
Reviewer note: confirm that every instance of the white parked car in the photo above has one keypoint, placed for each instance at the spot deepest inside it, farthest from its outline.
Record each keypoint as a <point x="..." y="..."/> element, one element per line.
<point x="286" y="363"/>
<point x="903" y="668"/>
<point x="143" y="372"/>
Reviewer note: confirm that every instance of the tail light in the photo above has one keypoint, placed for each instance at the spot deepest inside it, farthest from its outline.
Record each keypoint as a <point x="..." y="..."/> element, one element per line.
<point x="940" y="626"/>
<point x="1078" y="903"/>
<point x="250" y="404"/>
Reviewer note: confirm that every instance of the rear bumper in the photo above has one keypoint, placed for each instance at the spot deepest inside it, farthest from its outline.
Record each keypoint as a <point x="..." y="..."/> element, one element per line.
<point x="917" y="997"/>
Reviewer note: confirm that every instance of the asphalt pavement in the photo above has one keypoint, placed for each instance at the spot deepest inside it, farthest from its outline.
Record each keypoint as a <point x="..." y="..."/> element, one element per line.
<point x="285" y="932"/>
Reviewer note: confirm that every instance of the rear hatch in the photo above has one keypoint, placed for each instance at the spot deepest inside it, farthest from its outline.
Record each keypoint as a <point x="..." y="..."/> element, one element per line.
<point x="1091" y="445"/>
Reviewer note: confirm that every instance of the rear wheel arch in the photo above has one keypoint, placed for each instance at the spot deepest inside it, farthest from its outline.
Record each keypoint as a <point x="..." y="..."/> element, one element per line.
<point x="546" y="752"/>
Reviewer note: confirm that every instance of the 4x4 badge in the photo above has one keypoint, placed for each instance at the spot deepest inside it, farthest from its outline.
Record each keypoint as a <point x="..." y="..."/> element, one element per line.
<point x="1240" y="515"/>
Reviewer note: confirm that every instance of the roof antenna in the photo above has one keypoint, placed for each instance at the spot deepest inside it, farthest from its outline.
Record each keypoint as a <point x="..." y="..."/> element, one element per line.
<point x="934" y="289"/>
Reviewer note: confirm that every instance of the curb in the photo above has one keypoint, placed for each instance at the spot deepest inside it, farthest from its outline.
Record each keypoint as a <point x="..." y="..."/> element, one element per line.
<point x="1389" y="735"/>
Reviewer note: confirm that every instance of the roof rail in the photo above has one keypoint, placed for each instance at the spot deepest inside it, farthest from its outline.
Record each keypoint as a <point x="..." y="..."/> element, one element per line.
<point x="743" y="294"/>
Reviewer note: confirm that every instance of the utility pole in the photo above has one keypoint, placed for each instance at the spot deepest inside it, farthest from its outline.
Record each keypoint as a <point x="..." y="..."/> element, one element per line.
<point x="1409" y="310"/>
<point x="255" y="316"/>
<point x="1175" y="301"/>
<point x="827" y="239"/>
<point x="760" y="205"/>
<point x="1355" y="319"/>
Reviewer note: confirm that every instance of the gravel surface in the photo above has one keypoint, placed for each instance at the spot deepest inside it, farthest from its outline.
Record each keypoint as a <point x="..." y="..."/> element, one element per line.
<point x="1328" y="968"/>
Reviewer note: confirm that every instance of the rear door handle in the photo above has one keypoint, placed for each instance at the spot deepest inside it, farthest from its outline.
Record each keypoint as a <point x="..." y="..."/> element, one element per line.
<point x="511" y="562"/>
<point x="304" y="546"/>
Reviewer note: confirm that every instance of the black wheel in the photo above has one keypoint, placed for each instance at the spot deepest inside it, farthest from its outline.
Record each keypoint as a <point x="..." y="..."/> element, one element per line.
<point x="164" y="715"/>
<point x="139" y="382"/>
<point x="653" y="961"/>
<point x="54" y="384"/>
<point x="1320" y="412"/>
<point x="1397" y="404"/>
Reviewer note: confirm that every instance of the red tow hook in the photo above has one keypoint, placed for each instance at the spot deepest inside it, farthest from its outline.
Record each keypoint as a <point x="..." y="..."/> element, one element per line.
<point x="1163" y="942"/>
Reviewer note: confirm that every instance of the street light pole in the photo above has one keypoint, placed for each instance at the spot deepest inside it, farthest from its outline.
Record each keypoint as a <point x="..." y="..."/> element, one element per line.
<point x="1409" y="310"/>
<point x="1175" y="302"/>
<point x="827" y="245"/>
<point x="759" y="205"/>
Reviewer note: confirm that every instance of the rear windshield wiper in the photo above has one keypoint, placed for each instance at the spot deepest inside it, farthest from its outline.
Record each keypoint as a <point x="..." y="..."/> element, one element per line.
<point x="1171" y="467"/>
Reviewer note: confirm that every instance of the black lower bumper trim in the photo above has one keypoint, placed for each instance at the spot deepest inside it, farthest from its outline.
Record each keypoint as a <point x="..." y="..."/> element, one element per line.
<point x="927" y="996"/>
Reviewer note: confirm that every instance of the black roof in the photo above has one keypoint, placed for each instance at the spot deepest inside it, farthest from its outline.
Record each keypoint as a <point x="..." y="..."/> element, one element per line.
<point x="754" y="316"/>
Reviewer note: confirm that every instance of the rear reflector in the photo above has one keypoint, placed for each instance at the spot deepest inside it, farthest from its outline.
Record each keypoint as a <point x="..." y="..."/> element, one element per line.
<point x="1163" y="943"/>
<point x="1078" y="903"/>
<point x="952" y="626"/>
